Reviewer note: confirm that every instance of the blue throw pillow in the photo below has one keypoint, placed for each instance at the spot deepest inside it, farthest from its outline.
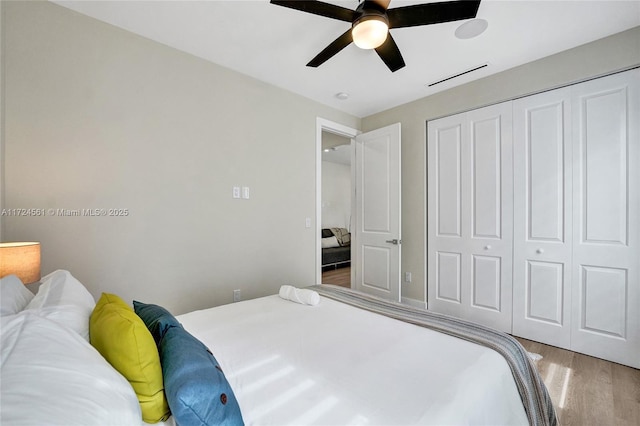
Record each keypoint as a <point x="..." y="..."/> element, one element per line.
<point x="197" y="390"/>
<point x="157" y="319"/>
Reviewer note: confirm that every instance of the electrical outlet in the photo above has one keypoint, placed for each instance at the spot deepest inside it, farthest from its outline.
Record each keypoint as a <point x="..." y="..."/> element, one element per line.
<point x="236" y="295"/>
<point x="407" y="277"/>
<point x="236" y="192"/>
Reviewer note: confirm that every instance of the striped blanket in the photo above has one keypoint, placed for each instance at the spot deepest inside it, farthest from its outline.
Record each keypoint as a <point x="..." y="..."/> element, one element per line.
<point x="534" y="394"/>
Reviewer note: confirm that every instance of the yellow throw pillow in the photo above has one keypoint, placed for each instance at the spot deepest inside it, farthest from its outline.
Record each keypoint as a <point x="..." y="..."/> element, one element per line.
<point x="123" y="339"/>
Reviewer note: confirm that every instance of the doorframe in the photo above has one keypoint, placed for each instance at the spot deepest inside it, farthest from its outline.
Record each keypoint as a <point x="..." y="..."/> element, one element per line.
<point x="341" y="130"/>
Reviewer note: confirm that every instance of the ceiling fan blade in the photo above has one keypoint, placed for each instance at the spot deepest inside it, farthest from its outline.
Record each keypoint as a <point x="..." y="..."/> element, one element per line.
<point x="432" y="13"/>
<point x="318" y="8"/>
<point x="390" y="54"/>
<point x="336" y="46"/>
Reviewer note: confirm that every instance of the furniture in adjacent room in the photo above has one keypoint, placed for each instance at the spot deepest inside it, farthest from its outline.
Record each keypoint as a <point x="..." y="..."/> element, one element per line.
<point x="335" y="253"/>
<point x="533" y="217"/>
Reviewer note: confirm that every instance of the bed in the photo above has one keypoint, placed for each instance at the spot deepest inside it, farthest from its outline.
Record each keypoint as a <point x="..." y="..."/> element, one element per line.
<point x="349" y="359"/>
<point x="336" y="247"/>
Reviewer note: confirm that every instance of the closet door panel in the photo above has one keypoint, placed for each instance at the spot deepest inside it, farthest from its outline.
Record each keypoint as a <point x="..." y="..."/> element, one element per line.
<point x="448" y="181"/>
<point x="542" y="208"/>
<point x="449" y="275"/>
<point x="606" y="253"/>
<point x="545" y="185"/>
<point x="487" y="216"/>
<point x="486" y="283"/>
<point x="486" y="185"/>
<point x="604" y="309"/>
<point x="603" y="148"/>
<point x="446" y="240"/>
<point x="545" y="287"/>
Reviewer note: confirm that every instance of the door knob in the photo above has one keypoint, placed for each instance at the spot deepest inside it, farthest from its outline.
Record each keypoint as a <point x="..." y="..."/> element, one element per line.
<point x="394" y="241"/>
<point x="487" y="247"/>
<point x="540" y="251"/>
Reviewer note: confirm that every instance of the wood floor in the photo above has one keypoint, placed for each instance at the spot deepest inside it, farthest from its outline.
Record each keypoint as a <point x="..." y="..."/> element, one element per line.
<point x="586" y="391"/>
<point x="340" y="276"/>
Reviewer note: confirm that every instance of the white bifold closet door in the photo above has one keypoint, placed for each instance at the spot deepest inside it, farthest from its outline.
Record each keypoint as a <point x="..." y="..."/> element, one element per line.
<point x="577" y="218"/>
<point x="542" y="247"/>
<point x="533" y="217"/>
<point x="606" y="218"/>
<point x="470" y="190"/>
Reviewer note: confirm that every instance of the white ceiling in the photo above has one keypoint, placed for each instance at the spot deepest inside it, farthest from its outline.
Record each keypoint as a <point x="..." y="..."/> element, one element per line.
<point x="336" y="148"/>
<point x="273" y="43"/>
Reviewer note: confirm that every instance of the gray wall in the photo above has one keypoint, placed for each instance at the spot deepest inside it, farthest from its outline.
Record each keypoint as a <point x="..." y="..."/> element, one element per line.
<point x="613" y="53"/>
<point x="99" y="118"/>
<point x="336" y="195"/>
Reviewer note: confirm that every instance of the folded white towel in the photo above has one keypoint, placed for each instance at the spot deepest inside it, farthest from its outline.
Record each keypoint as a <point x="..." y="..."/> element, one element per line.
<point x="299" y="295"/>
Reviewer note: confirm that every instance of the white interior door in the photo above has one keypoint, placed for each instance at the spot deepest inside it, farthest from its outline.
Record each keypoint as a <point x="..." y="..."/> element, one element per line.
<point x="606" y="212"/>
<point x="542" y="244"/>
<point x="470" y="213"/>
<point x="378" y="237"/>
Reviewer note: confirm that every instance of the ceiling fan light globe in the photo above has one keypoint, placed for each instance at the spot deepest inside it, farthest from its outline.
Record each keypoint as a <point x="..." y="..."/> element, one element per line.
<point x="370" y="33"/>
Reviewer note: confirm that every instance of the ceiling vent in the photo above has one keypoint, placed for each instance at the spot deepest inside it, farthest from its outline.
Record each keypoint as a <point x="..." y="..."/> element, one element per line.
<point x="457" y="75"/>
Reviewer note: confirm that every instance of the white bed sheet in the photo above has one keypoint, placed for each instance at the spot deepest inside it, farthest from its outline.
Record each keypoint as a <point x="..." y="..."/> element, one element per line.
<point x="334" y="364"/>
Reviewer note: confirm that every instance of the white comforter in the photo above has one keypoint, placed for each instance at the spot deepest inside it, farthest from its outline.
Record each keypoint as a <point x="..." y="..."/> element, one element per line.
<point x="334" y="364"/>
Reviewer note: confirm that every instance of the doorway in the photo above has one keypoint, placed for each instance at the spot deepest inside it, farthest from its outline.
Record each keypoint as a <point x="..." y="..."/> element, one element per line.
<point x="336" y="209"/>
<point x="375" y="212"/>
<point x="331" y="211"/>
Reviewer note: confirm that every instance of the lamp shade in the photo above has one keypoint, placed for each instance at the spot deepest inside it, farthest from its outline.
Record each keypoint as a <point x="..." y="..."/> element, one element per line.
<point x="21" y="259"/>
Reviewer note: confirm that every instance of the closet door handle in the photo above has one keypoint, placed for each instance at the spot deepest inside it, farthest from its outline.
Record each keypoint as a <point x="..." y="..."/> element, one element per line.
<point x="487" y="247"/>
<point x="540" y="251"/>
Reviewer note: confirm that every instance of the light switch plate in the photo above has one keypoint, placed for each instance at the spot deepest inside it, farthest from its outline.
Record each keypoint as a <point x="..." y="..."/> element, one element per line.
<point x="245" y="192"/>
<point x="236" y="192"/>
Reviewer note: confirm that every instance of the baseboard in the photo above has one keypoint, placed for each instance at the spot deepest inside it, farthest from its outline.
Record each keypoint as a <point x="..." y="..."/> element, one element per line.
<point x="414" y="302"/>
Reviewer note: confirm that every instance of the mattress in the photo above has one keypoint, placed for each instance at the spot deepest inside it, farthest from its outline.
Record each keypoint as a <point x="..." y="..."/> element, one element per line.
<point x="336" y="364"/>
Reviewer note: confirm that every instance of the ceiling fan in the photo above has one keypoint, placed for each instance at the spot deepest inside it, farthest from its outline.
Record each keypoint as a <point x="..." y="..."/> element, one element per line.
<point x="372" y="20"/>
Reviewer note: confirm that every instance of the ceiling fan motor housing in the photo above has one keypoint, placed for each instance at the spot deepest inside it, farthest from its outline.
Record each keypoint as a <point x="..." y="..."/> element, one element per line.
<point x="369" y="15"/>
<point x="369" y="10"/>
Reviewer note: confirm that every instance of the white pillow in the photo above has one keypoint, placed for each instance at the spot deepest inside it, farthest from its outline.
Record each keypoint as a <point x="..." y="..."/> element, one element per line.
<point x="50" y="375"/>
<point x="330" y="242"/>
<point x="14" y="296"/>
<point x="64" y="299"/>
